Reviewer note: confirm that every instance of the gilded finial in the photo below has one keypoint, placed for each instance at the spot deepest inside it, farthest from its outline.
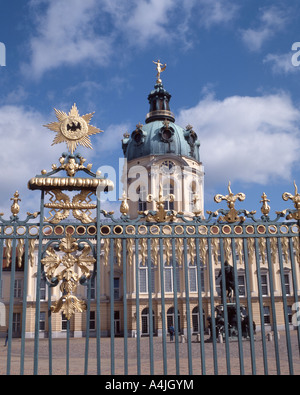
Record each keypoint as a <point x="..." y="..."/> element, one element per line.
<point x="124" y="208"/>
<point x="232" y="215"/>
<point x="15" y="208"/>
<point x="265" y="208"/>
<point x="161" y="215"/>
<point x="160" y="67"/>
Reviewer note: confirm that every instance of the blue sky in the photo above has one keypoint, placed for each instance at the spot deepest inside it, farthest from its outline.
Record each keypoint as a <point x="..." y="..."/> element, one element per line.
<point x="229" y="72"/>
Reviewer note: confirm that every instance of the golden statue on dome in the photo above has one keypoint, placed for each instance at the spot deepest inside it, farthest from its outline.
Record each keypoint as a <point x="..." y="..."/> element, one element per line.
<point x="160" y="67"/>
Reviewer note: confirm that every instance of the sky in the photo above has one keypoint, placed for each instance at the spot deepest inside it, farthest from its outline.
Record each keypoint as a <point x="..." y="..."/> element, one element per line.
<point x="233" y="70"/>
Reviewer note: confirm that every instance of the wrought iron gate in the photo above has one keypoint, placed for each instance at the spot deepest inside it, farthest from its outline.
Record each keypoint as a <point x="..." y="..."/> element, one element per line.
<point x="163" y="271"/>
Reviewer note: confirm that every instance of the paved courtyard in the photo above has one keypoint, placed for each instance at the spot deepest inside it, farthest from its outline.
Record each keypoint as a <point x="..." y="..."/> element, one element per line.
<point x="77" y="353"/>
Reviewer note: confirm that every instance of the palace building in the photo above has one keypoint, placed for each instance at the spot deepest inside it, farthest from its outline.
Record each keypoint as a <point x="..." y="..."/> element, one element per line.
<point x="163" y="255"/>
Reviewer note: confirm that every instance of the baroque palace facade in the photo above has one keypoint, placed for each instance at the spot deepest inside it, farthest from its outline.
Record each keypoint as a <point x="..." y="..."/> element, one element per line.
<point x="163" y="175"/>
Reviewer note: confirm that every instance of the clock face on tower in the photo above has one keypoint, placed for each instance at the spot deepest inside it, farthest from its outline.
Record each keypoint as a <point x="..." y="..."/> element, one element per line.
<point x="167" y="167"/>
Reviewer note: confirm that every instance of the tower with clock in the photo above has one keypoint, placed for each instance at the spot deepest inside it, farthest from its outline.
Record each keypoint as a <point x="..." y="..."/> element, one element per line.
<point x="162" y="157"/>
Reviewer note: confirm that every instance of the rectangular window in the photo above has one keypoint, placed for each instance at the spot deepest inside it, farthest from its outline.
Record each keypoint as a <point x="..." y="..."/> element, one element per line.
<point x="264" y="285"/>
<point x="267" y="318"/>
<point x="92" y="320"/>
<point x="64" y="322"/>
<point x="42" y="321"/>
<point x="116" y="288"/>
<point x="241" y="284"/>
<point x="18" y="288"/>
<point x="43" y="289"/>
<point x="168" y="272"/>
<point x="16" y="327"/>
<point x="287" y="284"/>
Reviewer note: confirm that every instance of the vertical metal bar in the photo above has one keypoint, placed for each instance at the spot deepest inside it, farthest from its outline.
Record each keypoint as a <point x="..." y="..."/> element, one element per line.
<point x="174" y="265"/>
<point x="212" y="306"/>
<point x="49" y="330"/>
<point x="149" y="264"/>
<point x="271" y="279"/>
<point x="24" y="307"/>
<point x="137" y="301"/>
<point x="224" y="299"/>
<point x="261" y="308"/>
<point x="286" y="319"/>
<point x="238" y="308"/>
<point x="163" y="307"/>
<point x="250" y="315"/>
<point x="68" y="349"/>
<point x="295" y="282"/>
<point x="98" y="290"/>
<point x="188" y="310"/>
<point x="200" y="305"/>
<point x="11" y="300"/>
<point x="87" y="327"/>
<point x="124" y="251"/>
<point x="112" y="303"/>
<point x="1" y="268"/>
<point x="38" y="283"/>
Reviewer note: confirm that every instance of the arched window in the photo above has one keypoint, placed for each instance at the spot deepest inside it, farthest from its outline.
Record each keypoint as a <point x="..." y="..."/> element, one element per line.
<point x="145" y="319"/>
<point x="171" y="318"/>
<point x="196" y="319"/>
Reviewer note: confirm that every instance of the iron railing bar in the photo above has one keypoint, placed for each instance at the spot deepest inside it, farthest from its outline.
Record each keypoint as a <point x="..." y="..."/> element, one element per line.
<point x="87" y="327"/>
<point x="187" y="303"/>
<point x="295" y="282"/>
<point x="11" y="300"/>
<point x="49" y="329"/>
<point x="112" y="305"/>
<point x="98" y="290"/>
<point x="225" y="311"/>
<point x="275" y="330"/>
<point x="1" y="268"/>
<point x="200" y="308"/>
<point x="124" y="256"/>
<point x="68" y="349"/>
<point x="286" y="320"/>
<point x="238" y="308"/>
<point x="175" y="274"/>
<point x="163" y="309"/>
<point x="24" y="307"/>
<point x="137" y="292"/>
<point x="212" y="307"/>
<point x="261" y="308"/>
<point x="38" y="283"/>
<point x="151" y="316"/>
<point x="249" y="305"/>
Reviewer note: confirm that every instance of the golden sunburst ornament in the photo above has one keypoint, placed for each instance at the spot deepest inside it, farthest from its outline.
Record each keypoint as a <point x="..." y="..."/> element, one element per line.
<point x="73" y="129"/>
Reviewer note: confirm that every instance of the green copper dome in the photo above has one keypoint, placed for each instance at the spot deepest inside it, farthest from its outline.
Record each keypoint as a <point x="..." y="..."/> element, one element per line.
<point x="160" y="135"/>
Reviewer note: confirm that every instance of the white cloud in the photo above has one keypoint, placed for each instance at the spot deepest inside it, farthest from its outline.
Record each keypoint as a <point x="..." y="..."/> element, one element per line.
<point x="66" y="36"/>
<point x="93" y="31"/>
<point x="281" y="63"/>
<point x="25" y="151"/>
<point x="248" y="139"/>
<point x="271" y="20"/>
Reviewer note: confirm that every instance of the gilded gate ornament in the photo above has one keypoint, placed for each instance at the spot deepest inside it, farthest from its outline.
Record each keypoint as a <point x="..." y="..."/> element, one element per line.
<point x="232" y="214"/>
<point x="73" y="129"/>
<point x="160" y="215"/>
<point x="293" y="214"/>
<point x="68" y="277"/>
